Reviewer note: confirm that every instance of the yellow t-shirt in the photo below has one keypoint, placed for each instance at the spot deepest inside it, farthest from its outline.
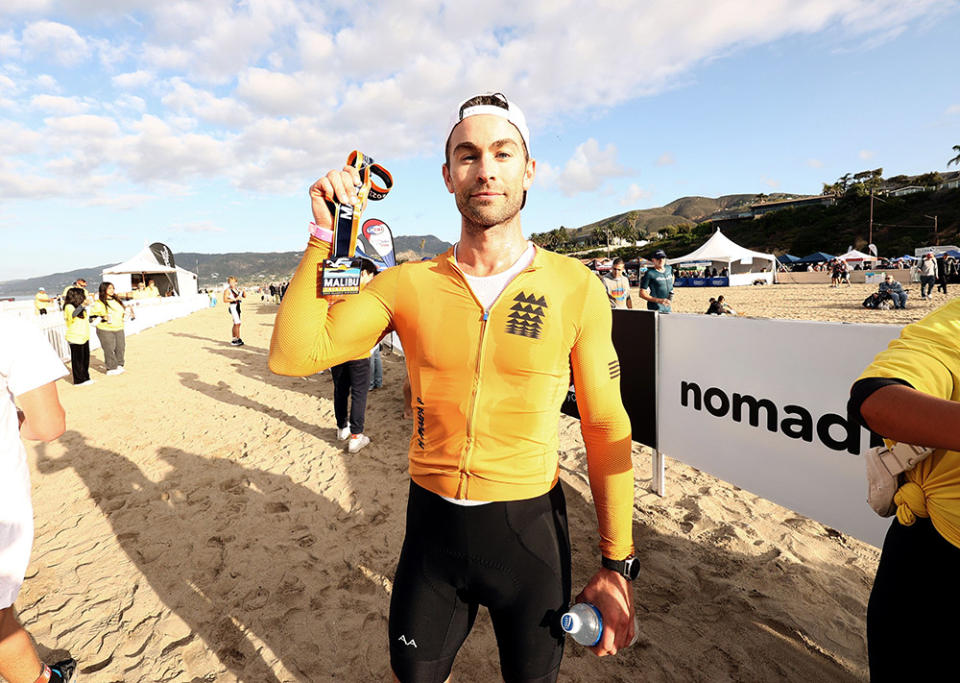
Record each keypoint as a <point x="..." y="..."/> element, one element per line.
<point x="78" y="329"/>
<point x="152" y="292"/>
<point x="41" y="301"/>
<point x="927" y="355"/>
<point x="487" y="385"/>
<point x="114" y="312"/>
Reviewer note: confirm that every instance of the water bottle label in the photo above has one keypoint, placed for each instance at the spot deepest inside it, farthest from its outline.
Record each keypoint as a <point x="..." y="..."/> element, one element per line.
<point x="566" y="622"/>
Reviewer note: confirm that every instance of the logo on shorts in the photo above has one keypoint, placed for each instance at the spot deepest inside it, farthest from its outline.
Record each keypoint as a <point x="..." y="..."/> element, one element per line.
<point x="526" y="317"/>
<point x="408" y="643"/>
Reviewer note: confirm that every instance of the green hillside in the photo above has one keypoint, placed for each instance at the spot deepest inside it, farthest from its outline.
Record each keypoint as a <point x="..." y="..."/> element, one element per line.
<point x="900" y="226"/>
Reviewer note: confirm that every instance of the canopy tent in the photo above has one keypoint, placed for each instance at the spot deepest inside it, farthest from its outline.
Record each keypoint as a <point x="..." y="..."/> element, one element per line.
<point x="816" y="257"/>
<point x="788" y="259"/>
<point x="854" y="255"/>
<point x="145" y="265"/>
<point x="744" y="266"/>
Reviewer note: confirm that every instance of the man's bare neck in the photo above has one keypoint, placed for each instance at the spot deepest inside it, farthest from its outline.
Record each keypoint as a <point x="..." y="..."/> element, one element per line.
<point x="489" y="251"/>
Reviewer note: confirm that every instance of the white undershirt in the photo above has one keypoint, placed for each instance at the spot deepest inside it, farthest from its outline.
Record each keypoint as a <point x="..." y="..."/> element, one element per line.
<point x="487" y="289"/>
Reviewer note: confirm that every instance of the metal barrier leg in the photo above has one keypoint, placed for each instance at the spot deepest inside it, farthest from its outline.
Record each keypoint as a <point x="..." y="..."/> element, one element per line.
<point x="658" y="478"/>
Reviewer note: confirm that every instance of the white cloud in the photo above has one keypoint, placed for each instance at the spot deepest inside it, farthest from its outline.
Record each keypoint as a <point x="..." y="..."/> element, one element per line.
<point x="263" y="91"/>
<point x="814" y="163"/>
<point x="770" y="182"/>
<point x="56" y="104"/>
<point x="9" y="45"/>
<point x="184" y="98"/>
<point x="133" y="79"/>
<point x="43" y="39"/>
<point x="585" y="171"/>
<point x="865" y="154"/>
<point x="953" y="109"/>
<point x="634" y="194"/>
<point x="47" y="82"/>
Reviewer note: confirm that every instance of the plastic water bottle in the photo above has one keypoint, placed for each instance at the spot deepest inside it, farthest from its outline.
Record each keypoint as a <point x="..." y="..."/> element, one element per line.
<point x="584" y="623"/>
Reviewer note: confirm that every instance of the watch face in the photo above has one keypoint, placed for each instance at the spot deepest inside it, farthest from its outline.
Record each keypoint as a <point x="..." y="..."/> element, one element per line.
<point x="632" y="568"/>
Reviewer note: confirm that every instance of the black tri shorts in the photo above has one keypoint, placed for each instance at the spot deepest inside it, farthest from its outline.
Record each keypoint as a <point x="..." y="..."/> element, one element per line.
<point x="512" y="557"/>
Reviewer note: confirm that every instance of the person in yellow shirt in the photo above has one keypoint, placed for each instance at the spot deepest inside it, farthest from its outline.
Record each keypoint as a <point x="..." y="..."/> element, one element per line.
<point x="41" y="301"/>
<point x="910" y="394"/>
<point x="82" y="284"/>
<point x="78" y="334"/>
<point x="490" y="330"/>
<point x="152" y="291"/>
<point x="111" y="311"/>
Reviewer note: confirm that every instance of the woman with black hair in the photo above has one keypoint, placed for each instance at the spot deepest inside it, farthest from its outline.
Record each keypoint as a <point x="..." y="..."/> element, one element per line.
<point x="78" y="335"/>
<point x="111" y="311"/>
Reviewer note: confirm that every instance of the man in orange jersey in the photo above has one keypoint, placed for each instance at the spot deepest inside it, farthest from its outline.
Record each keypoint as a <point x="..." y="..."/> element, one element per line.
<point x="490" y="331"/>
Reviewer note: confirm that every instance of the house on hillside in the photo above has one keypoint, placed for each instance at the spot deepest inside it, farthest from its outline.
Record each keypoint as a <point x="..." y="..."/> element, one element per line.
<point x="909" y="189"/>
<point x="951" y="181"/>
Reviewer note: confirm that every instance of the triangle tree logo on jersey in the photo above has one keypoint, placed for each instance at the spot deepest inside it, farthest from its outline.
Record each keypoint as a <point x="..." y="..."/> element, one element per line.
<point x="526" y="315"/>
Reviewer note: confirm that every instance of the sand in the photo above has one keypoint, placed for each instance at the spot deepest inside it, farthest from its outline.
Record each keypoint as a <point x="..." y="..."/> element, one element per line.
<point x="199" y="521"/>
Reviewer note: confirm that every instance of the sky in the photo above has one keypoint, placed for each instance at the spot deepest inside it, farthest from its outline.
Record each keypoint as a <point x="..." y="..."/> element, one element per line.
<point x="202" y="124"/>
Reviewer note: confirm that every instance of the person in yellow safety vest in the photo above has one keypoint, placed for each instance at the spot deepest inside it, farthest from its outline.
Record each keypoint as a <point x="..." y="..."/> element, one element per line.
<point x="41" y="301"/>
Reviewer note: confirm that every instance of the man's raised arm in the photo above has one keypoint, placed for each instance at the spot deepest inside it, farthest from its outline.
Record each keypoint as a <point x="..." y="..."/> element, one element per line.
<point x="309" y="335"/>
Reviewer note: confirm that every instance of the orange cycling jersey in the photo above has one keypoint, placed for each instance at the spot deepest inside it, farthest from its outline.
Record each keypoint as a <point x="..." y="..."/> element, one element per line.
<point x="487" y="384"/>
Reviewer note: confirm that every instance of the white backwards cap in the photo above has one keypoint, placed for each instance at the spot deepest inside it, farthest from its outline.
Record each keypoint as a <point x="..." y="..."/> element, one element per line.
<point x="495" y="104"/>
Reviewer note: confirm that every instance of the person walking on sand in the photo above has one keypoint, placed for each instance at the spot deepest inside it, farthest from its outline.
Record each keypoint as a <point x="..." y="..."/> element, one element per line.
<point x="486" y="519"/>
<point x="232" y="295"/>
<point x="111" y="311"/>
<point x="29" y="369"/>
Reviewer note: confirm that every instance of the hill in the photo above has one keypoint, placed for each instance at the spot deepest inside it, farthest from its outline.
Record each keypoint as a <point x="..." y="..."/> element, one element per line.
<point x="684" y="211"/>
<point x="213" y="269"/>
<point x="901" y="224"/>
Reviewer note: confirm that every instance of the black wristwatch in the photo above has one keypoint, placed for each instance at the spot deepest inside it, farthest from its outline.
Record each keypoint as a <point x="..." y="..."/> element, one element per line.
<point x="628" y="568"/>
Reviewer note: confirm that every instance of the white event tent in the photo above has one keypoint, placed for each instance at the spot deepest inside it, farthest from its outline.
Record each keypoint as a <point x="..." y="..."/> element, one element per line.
<point x="145" y="265"/>
<point x="744" y="266"/>
<point x="854" y="255"/>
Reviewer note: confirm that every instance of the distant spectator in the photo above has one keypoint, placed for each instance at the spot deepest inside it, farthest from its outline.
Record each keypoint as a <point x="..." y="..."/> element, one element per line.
<point x="111" y="311"/>
<point x="618" y="286"/>
<point x="725" y="308"/>
<point x="78" y="335"/>
<point x="232" y="294"/>
<point x="29" y="369"/>
<point x="351" y="380"/>
<point x="656" y="286"/>
<point x="714" y="308"/>
<point x="42" y="301"/>
<point x="152" y="290"/>
<point x="82" y="284"/>
<point x="895" y="291"/>
<point x="942" y="268"/>
<point x="928" y="275"/>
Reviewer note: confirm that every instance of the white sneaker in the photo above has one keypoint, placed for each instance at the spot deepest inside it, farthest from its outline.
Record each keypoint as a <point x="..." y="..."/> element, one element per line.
<point x="343" y="433"/>
<point x="115" y="371"/>
<point x="357" y="441"/>
<point x="83" y="384"/>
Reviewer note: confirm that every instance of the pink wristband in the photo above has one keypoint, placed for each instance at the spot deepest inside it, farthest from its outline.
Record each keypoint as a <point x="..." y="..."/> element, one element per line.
<point x="321" y="234"/>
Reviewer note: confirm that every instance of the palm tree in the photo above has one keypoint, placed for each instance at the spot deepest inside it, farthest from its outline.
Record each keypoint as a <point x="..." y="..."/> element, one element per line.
<point x="956" y="159"/>
<point x="602" y="233"/>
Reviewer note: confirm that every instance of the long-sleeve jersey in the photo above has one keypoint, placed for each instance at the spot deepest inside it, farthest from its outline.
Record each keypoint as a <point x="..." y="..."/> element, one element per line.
<point x="487" y="383"/>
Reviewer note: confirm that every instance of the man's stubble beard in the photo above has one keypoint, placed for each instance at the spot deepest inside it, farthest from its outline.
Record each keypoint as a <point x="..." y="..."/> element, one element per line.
<point x="479" y="219"/>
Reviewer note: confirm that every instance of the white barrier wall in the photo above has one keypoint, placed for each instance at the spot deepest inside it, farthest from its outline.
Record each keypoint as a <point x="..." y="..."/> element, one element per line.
<point x="762" y="404"/>
<point x="149" y="312"/>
